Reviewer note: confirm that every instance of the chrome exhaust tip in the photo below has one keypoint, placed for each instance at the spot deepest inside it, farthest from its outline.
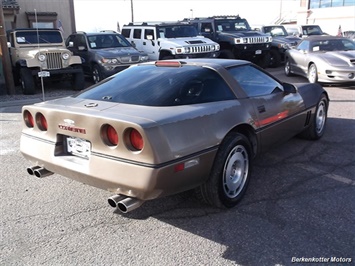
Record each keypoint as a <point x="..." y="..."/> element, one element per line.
<point x="42" y="172"/>
<point x="129" y="204"/>
<point x="113" y="200"/>
<point x="31" y="170"/>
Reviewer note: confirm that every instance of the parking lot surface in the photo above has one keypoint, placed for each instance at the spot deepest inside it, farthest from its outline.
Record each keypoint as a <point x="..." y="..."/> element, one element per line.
<point x="299" y="207"/>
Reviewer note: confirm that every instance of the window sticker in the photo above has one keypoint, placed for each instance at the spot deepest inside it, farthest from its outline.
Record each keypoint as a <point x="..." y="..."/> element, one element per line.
<point x="93" y="45"/>
<point x="315" y="48"/>
<point x="21" y="39"/>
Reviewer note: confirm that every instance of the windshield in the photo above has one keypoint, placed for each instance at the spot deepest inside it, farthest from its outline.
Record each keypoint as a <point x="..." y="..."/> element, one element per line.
<point x="232" y="25"/>
<point x="31" y="37"/>
<point x="150" y="85"/>
<point x="333" y="45"/>
<point x="276" y="31"/>
<point x="107" y="41"/>
<point x="177" y="31"/>
<point x="311" y="30"/>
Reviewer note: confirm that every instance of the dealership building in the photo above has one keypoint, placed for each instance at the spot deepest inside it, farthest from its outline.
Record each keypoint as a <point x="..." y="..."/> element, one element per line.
<point x="329" y="14"/>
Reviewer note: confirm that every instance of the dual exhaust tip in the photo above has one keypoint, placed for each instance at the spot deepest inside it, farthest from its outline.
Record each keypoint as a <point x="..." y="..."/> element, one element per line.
<point x="122" y="203"/>
<point x="38" y="171"/>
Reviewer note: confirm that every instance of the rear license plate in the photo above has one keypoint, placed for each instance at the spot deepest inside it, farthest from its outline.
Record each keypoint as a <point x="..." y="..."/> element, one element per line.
<point x="258" y="52"/>
<point x="79" y="147"/>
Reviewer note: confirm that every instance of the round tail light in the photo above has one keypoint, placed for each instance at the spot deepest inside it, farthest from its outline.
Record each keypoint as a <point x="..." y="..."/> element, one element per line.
<point x="136" y="140"/>
<point x="112" y="136"/>
<point x="41" y="122"/>
<point x="28" y="118"/>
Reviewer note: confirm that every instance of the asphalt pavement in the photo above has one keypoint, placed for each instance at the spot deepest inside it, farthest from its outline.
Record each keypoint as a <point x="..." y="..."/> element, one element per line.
<point x="299" y="208"/>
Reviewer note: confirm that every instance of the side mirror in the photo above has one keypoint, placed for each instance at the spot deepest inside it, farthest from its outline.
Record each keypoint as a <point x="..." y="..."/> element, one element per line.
<point x="289" y="88"/>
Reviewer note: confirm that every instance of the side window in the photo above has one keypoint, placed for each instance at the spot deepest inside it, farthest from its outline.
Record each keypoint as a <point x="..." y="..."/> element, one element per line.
<point x="81" y="41"/>
<point x="206" y="28"/>
<point x="149" y="33"/>
<point x="126" y="32"/>
<point x="209" y="87"/>
<point x="70" y="39"/>
<point x="196" y="26"/>
<point x="137" y="33"/>
<point x="254" y="82"/>
<point x="303" y="46"/>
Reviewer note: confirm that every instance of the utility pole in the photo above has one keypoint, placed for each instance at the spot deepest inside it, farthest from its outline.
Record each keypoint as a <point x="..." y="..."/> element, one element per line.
<point x="9" y="81"/>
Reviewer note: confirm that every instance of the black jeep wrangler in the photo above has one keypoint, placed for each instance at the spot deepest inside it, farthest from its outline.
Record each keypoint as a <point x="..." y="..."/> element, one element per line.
<point x="235" y="37"/>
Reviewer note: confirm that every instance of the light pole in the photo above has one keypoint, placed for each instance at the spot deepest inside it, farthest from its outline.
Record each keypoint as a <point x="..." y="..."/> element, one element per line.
<point x="132" y="11"/>
<point x="192" y="13"/>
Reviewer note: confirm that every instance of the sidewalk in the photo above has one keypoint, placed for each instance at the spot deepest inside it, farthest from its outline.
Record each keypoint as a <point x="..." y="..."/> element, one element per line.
<point x="50" y="92"/>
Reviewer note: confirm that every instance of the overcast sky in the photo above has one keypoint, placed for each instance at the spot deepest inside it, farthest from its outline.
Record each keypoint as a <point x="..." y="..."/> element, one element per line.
<point x="96" y="15"/>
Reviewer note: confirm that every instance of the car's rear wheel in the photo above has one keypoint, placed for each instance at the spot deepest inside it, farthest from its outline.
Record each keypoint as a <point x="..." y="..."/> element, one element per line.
<point x="96" y="74"/>
<point x="317" y="127"/>
<point x="312" y="74"/>
<point x="229" y="176"/>
<point x="287" y="68"/>
<point x="27" y="81"/>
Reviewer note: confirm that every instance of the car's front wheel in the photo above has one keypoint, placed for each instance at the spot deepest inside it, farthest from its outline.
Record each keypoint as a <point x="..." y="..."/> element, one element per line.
<point x="229" y="176"/>
<point x="96" y="74"/>
<point x="312" y="74"/>
<point x="287" y="68"/>
<point x="317" y="126"/>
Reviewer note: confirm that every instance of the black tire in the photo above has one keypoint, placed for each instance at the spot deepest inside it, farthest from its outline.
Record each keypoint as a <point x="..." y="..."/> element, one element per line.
<point x="226" y="54"/>
<point x="319" y="121"/>
<point x="96" y="74"/>
<point x="264" y="60"/>
<point x="27" y="81"/>
<point x="287" y="68"/>
<point x="312" y="74"/>
<point x="78" y="81"/>
<point x="229" y="176"/>
<point x="17" y="78"/>
<point x="275" y="58"/>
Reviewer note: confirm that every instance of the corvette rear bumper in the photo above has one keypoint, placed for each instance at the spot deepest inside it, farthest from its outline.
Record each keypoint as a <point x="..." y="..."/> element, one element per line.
<point x="120" y="176"/>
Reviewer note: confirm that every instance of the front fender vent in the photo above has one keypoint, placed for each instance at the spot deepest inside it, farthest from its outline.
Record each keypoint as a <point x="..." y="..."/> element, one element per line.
<point x="308" y="118"/>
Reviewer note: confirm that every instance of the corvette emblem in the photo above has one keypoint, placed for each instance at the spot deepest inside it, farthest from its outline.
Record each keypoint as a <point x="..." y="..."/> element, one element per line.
<point x="69" y="121"/>
<point x="69" y="126"/>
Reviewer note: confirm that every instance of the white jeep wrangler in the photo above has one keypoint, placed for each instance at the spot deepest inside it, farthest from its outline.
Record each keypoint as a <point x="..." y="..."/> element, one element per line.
<point x="162" y="40"/>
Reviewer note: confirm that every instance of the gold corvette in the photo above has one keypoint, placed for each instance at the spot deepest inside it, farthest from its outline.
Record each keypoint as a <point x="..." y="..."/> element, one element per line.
<point x="160" y="128"/>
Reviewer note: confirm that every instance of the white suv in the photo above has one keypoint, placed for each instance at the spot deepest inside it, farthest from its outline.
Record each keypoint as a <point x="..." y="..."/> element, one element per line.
<point x="169" y="40"/>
